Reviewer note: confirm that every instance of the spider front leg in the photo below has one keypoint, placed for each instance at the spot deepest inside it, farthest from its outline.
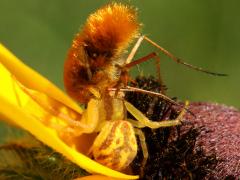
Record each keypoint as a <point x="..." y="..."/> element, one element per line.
<point x="65" y="120"/>
<point x="88" y="122"/>
<point x="143" y="121"/>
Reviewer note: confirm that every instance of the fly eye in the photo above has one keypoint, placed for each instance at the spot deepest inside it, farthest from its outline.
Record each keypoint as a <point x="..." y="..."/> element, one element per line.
<point x="91" y="51"/>
<point x="94" y="55"/>
<point x="107" y="54"/>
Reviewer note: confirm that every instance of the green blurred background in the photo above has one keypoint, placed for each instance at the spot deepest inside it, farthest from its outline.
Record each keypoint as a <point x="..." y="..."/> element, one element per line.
<point x="205" y="33"/>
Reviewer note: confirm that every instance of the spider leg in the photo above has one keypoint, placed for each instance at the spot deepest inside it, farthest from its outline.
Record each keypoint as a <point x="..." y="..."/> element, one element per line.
<point x="143" y="144"/>
<point x="143" y="121"/>
<point x="76" y="123"/>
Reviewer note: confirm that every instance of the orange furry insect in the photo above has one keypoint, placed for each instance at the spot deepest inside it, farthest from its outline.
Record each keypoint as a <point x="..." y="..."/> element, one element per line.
<point x="96" y="55"/>
<point x="96" y="59"/>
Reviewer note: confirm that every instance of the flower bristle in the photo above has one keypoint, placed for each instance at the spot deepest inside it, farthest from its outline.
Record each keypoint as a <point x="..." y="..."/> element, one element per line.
<point x="24" y="157"/>
<point x="171" y="154"/>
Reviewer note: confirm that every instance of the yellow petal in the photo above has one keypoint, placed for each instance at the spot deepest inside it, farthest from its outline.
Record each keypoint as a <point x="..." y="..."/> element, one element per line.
<point x="31" y="79"/>
<point x="98" y="177"/>
<point x="20" y="109"/>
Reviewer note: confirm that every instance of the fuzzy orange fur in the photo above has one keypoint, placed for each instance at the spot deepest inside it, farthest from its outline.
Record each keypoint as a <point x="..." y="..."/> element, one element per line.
<point x="96" y="53"/>
<point x="114" y="23"/>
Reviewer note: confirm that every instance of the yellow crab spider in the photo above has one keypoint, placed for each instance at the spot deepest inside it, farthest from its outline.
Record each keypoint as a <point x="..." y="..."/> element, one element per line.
<point x="115" y="145"/>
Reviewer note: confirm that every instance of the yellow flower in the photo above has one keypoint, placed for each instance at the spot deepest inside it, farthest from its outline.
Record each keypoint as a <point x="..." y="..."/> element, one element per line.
<point x="19" y="84"/>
